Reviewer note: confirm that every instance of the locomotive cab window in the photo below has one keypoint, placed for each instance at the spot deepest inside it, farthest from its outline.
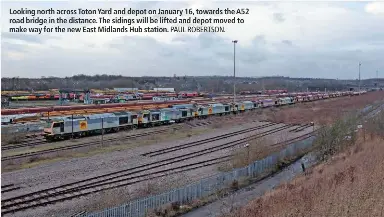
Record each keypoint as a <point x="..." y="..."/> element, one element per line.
<point x="156" y="117"/>
<point x="133" y="117"/>
<point x="123" y="120"/>
<point x="184" y="113"/>
<point x="61" y="125"/>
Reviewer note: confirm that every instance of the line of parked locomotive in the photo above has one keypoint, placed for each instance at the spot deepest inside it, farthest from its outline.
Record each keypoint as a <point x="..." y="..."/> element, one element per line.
<point x="60" y="128"/>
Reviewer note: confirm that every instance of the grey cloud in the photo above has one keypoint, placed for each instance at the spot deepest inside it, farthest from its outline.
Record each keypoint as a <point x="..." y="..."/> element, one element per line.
<point x="6" y="46"/>
<point x="259" y="40"/>
<point x="140" y="56"/>
<point x="208" y="41"/>
<point x="278" y="17"/>
<point x="287" y="42"/>
<point x="208" y="54"/>
<point x="23" y="37"/>
<point x="211" y="54"/>
<point x="182" y="38"/>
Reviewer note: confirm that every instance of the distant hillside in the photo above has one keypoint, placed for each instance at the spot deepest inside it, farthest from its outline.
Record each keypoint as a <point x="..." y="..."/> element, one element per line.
<point x="188" y="83"/>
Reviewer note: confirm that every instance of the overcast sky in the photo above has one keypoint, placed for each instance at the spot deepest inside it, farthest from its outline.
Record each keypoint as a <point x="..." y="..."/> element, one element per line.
<point x="297" y="39"/>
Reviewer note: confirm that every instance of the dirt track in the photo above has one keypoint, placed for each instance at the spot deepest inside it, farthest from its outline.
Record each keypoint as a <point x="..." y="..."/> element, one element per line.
<point x="322" y="112"/>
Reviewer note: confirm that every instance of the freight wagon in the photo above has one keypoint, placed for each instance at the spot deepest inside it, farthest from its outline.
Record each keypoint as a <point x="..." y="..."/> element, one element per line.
<point x="267" y="103"/>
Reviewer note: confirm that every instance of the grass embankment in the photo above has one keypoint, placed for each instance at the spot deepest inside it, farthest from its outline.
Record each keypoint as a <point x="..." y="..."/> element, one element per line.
<point x="348" y="182"/>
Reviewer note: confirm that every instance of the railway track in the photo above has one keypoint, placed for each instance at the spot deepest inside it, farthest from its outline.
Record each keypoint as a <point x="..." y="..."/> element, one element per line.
<point x="193" y="124"/>
<point x="26" y="143"/>
<point x="204" y="141"/>
<point x="40" y="140"/>
<point x="36" y="140"/>
<point x="121" y="178"/>
<point x="9" y="187"/>
<point x="69" y="147"/>
<point x="375" y="111"/>
<point x="53" y="196"/>
<point x="300" y="128"/>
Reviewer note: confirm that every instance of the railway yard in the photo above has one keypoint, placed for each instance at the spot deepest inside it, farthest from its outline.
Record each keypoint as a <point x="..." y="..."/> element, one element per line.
<point x="60" y="178"/>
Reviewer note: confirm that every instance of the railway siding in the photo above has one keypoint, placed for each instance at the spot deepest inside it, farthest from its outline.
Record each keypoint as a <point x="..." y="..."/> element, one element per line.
<point x="121" y="178"/>
<point x="75" y="169"/>
<point x="130" y="161"/>
<point x="207" y="186"/>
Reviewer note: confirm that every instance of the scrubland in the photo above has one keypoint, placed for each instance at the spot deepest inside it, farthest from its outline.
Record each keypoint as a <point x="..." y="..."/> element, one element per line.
<point x="349" y="181"/>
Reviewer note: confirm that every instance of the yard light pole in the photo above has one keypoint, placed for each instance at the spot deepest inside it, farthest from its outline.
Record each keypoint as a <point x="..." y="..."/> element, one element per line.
<point x="234" y="70"/>
<point x="102" y="131"/>
<point x="72" y="128"/>
<point x="359" y="77"/>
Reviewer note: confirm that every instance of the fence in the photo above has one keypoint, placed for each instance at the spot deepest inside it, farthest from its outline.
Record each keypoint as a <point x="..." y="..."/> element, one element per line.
<point x="204" y="187"/>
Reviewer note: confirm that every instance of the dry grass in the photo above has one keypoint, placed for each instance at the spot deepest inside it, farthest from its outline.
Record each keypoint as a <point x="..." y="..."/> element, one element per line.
<point x="349" y="183"/>
<point x="13" y="138"/>
<point x="258" y="149"/>
<point x="322" y="111"/>
<point x="255" y="151"/>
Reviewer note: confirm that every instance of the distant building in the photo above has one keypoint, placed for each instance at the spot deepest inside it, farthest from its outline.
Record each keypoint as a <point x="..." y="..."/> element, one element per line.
<point x="125" y="89"/>
<point x="164" y="89"/>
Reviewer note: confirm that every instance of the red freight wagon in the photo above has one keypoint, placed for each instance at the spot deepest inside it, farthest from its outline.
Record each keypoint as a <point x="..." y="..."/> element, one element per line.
<point x="147" y="96"/>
